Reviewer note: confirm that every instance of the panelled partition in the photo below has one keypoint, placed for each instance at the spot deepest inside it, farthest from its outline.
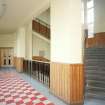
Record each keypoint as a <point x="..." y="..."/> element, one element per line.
<point x="65" y="81"/>
<point x="38" y="69"/>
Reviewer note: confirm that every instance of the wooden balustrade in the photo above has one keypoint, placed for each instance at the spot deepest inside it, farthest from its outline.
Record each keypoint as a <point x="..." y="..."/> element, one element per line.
<point x="38" y="70"/>
<point x="41" y="27"/>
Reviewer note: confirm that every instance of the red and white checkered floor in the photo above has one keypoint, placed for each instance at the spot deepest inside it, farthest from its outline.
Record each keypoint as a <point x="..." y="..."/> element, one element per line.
<point x="15" y="91"/>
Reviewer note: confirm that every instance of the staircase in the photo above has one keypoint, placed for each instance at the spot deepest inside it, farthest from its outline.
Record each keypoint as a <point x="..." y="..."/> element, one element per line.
<point x="95" y="73"/>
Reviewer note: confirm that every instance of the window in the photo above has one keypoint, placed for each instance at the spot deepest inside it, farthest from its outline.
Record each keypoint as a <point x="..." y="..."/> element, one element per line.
<point x="90" y="4"/>
<point x="90" y="17"/>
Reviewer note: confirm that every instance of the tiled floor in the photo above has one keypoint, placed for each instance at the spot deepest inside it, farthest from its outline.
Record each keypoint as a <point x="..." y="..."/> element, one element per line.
<point x="16" y="91"/>
<point x="45" y="91"/>
<point x="14" y="85"/>
<point x="34" y="85"/>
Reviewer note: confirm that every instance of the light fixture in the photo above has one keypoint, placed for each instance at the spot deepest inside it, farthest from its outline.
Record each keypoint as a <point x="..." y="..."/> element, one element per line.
<point x="2" y="7"/>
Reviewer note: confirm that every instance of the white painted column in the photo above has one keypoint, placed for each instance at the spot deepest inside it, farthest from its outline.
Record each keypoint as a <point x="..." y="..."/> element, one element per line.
<point x="20" y="46"/>
<point x="24" y="41"/>
<point x="67" y="71"/>
<point x="28" y="40"/>
<point x="66" y="31"/>
<point x="20" y="43"/>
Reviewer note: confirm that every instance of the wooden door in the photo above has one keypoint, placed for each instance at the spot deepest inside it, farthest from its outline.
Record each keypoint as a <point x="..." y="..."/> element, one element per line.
<point x="6" y="56"/>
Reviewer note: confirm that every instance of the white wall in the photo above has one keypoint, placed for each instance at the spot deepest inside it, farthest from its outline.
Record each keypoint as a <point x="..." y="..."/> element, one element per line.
<point x="28" y="40"/>
<point x="24" y="41"/>
<point x="66" y="31"/>
<point x="20" y="46"/>
<point x="40" y="44"/>
<point x="99" y="15"/>
<point x="45" y="16"/>
<point x="8" y="40"/>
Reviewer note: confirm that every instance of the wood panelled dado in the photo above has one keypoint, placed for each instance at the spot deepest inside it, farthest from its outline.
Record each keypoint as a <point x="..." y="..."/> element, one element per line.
<point x="19" y="64"/>
<point x="67" y="82"/>
<point x="15" y="61"/>
<point x="97" y="41"/>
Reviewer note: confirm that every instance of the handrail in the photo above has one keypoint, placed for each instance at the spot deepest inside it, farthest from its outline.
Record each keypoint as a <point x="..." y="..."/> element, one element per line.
<point x="37" y="61"/>
<point x="41" y="61"/>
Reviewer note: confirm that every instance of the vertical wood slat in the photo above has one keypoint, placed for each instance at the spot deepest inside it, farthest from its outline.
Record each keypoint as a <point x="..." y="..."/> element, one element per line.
<point x="14" y="61"/>
<point x="19" y="64"/>
<point x="67" y="82"/>
<point x="76" y="83"/>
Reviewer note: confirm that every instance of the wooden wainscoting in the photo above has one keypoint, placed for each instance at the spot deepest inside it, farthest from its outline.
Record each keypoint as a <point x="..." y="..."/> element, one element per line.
<point x="14" y="59"/>
<point x="19" y="64"/>
<point x="90" y="42"/>
<point x="100" y="39"/>
<point x="67" y="82"/>
<point x="97" y="41"/>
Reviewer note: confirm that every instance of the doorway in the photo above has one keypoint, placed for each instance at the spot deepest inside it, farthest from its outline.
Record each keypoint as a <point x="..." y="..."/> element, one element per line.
<point x="6" y="57"/>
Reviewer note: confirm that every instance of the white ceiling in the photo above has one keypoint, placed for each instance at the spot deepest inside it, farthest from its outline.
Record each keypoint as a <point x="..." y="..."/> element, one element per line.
<point x="18" y="12"/>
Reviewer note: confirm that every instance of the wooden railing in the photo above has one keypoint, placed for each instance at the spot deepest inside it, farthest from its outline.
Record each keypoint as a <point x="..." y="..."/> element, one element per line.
<point x="38" y="70"/>
<point x="41" y="27"/>
<point x="97" y="41"/>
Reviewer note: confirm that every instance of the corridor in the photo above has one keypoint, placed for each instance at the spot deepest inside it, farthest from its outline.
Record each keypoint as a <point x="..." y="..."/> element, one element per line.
<point x="15" y="89"/>
<point x="20" y="89"/>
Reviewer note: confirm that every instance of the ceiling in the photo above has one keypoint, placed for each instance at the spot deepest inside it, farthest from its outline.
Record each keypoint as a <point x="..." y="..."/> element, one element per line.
<point x="18" y="12"/>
